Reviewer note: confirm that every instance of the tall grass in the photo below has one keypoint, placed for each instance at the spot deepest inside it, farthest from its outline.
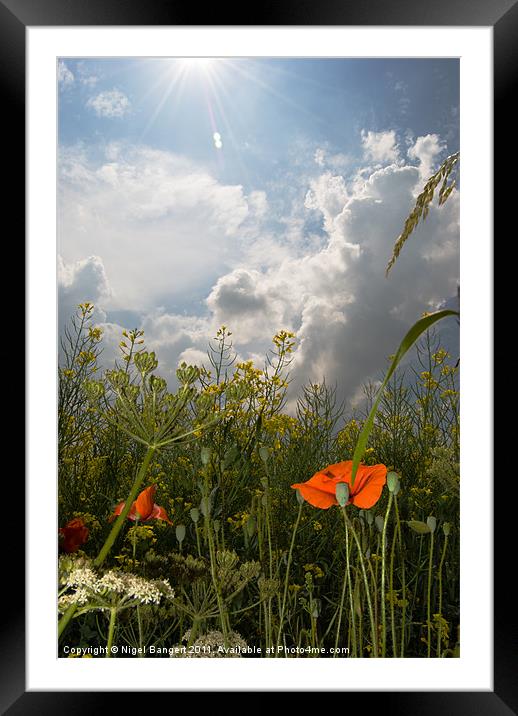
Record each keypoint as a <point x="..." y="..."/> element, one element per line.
<point x="251" y="561"/>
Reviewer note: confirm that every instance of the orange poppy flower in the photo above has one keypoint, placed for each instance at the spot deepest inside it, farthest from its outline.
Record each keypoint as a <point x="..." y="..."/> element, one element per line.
<point x="73" y="535"/>
<point x="320" y="490"/>
<point x="144" y="508"/>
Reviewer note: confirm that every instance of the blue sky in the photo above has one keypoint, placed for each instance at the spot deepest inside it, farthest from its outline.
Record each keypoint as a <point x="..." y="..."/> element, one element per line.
<point x="263" y="194"/>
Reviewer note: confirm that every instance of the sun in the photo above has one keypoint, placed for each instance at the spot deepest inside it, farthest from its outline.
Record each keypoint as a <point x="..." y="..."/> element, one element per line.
<point x="202" y="63"/>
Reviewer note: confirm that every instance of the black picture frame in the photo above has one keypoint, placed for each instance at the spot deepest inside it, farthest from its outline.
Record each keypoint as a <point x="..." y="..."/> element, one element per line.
<point x="15" y="17"/>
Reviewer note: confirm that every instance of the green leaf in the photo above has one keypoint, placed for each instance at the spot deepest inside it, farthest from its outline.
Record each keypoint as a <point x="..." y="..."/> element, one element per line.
<point x="422" y="325"/>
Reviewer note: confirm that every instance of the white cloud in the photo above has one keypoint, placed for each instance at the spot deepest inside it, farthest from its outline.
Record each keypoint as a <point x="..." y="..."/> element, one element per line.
<point x="327" y="194"/>
<point x="65" y="76"/>
<point x="347" y="316"/>
<point x="166" y="228"/>
<point x="338" y="161"/>
<point x="110" y="103"/>
<point x="425" y="150"/>
<point x="380" y="146"/>
<point x="82" y="281"/>
<point x="85" y="76"/>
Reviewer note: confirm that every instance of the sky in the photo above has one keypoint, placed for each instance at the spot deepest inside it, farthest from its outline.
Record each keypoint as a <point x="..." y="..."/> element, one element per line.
<point x="262" y="194"/>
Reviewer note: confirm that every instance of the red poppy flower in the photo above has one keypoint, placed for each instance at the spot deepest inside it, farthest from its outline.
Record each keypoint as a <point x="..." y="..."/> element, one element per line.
<point x="144" y="508"/>
<point x="73" y="535"/>
<point x="320" y="490"/>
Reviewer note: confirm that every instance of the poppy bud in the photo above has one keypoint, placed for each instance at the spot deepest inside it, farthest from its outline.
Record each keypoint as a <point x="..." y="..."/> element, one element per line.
<point x="446" y="528"/>
<point x="432" y="523"/>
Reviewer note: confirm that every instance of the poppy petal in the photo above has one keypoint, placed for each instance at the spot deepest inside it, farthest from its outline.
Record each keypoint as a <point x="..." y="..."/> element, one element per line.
<point x="315" y="496"/>
<point x="73" y="535"/>
<point x="145" y="502"/>
<point x="340" y="470"/>
<point x="369" y="485"/>
<point x="158" y="513"/>
<point x="116" y="511"/>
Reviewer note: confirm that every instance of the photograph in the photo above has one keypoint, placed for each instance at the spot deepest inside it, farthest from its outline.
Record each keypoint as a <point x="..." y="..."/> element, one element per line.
<point x="258" y="354"/>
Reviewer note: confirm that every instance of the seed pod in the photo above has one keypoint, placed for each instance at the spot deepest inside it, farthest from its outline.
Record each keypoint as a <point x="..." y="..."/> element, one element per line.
<point x="264" y="454"/>
<point x="205" y="506"/>
<point x="420" y="527"/>
<point x="342" y="493"/>
<point x="205" y="456"/>
<point x="195" y="514"/>
<point x="393" y="482"/>
<point x="250" y="526"/>
<point x="180" y="533"/>
<point x="446" y="528"/>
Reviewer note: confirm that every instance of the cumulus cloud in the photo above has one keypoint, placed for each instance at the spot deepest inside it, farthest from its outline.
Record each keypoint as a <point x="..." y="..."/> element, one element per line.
<point x="333" y="294"/>
<point x="164" y="226"/>
<point x="82" y="281"/>
<point x="337" y="161"/>
<point x="65" y="76"/>
<point x="110" y="103"/>
<point x="85" y="76"/>
<point x="380" y="147"/>
<point x="425" y="151"/>
<point x="347" y="316"/>
<point x="328" y="195"/>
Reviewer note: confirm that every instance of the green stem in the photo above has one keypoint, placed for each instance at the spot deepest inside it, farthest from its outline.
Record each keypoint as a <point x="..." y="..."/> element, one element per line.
<point x="403" y="580"/>
<point x="197" y="540"/>
<point x="428" y="600"/>
<point x="105" y="550"/>
<point x="383" y="576"/>
<point x="111" y="631"/>
<point x="347" y="580"/>
<point x="110" y="540"/>
<point x="287" y="577"/>
<point x="439" y="631"/>
<point x="392" y="597"/>
<point x="213" y="565"/>
<point x="366" y="582"/>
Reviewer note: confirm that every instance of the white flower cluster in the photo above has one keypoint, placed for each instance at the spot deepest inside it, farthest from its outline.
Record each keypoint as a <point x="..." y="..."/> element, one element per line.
<point x="147" y="591"/>
<point x="82" y="577"/>
<point x="112" y="588"/>
<point x="211" y="646"/>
